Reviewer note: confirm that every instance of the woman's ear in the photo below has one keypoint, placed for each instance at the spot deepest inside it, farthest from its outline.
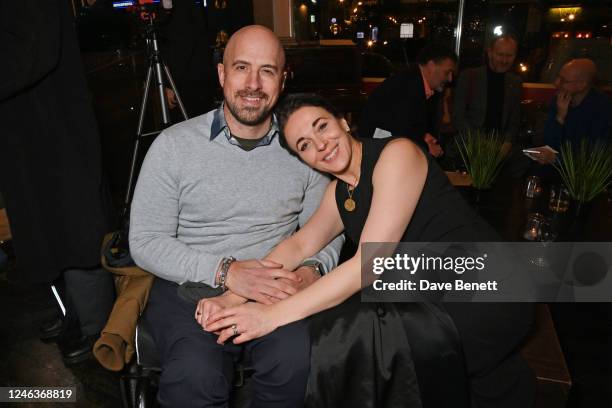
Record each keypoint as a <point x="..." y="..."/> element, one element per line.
<point x="345" y="125"/>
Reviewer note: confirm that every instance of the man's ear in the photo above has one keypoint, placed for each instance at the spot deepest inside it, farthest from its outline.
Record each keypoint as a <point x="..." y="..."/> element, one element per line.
<point x="221" y="73"/>
<point x="282" y="87"/>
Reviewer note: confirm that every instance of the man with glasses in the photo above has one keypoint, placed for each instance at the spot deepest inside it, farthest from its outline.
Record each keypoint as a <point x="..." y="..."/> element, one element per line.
<point x="578" y="111"/>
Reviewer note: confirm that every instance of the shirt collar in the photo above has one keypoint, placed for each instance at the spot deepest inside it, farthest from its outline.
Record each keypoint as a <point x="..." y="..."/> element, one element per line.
<point x="219" y="125"/>
<point x="428" y="91"/>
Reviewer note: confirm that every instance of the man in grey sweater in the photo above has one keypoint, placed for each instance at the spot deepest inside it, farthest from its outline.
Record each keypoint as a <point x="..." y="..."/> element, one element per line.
<point x="215" y="188"/>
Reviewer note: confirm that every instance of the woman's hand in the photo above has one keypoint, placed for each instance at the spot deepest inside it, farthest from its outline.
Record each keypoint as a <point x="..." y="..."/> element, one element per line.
<point x="246" y="322"/>
<point x="208" y="306"/>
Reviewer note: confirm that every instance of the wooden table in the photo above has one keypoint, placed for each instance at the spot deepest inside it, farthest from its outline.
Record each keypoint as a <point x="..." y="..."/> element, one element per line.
<point x="505" y="207"/>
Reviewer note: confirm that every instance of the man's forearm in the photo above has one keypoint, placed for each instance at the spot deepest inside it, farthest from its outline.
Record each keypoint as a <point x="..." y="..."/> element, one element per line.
<point x="329" y="255"/>
<point x="170" y="259"/>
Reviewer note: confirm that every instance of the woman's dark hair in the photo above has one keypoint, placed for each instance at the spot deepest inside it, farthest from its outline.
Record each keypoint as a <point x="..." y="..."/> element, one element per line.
<point x="292" y="102"/>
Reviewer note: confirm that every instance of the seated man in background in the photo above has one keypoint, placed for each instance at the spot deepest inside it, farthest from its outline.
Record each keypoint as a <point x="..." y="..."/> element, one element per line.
<point x="489" y="96"/>
<point x="409" y="103"/>
<point x="212" y="188"/>
<point x="578" y="111"/>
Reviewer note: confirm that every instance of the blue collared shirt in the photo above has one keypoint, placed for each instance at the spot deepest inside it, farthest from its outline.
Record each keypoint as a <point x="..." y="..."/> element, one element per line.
<point x="219" y="125"/>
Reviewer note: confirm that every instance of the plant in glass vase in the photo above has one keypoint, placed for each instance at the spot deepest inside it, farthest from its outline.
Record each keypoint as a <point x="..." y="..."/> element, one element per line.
<point x="586" y="170"/>
<point x="483" y="154"/>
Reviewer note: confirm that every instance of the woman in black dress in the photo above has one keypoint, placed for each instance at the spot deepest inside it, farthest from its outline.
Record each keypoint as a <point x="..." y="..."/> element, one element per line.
<point x="365" y="354"/>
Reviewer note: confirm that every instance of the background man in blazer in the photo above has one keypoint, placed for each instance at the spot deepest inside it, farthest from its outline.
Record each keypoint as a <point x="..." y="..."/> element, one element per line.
<point x="479" y="90"/>
<point x="408" y="104"/>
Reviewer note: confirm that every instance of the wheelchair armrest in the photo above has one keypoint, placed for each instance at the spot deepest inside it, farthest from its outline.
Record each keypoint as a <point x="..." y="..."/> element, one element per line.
<point x="147" y="354"/>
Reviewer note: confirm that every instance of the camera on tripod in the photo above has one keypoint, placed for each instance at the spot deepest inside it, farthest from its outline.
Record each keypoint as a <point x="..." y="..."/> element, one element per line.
<point x="158" y="77"/>
<point x="147" y="10"/>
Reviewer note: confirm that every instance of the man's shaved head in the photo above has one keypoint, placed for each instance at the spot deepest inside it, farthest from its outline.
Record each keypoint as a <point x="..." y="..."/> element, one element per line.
<point x="254" y="34"/>
<point x="252" y="77"/>
<point x="576" y="78"/>
<point x="581" y="68"/>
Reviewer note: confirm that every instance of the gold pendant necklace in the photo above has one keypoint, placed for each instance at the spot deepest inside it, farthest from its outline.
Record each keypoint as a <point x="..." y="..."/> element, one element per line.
<point x="349" y="203"/>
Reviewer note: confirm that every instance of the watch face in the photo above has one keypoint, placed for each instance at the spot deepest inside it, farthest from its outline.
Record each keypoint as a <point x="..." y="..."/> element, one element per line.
<point x="316" y="265"/>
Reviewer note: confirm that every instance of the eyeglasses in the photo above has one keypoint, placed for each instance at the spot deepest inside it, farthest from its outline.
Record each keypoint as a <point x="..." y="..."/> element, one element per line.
<point x="566" y="81"/>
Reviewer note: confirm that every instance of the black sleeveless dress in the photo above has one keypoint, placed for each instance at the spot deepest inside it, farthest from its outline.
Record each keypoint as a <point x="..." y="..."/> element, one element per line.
<point x="393" y="354"/>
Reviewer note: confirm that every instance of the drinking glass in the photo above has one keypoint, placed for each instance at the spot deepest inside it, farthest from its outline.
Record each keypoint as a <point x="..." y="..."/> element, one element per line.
<point x="533" y="227"/>
<point x="534" y="186"/>
<point x="546" y="235"/>
<point x="559" y="200"/>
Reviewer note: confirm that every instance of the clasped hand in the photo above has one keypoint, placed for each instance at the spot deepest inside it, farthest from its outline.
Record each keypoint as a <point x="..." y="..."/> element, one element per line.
<point x="245" y="322"/>
<point x="262" y="281"/>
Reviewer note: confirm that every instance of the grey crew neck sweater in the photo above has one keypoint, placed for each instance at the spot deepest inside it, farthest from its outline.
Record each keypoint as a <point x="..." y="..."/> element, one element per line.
<point x="200" y="199"/>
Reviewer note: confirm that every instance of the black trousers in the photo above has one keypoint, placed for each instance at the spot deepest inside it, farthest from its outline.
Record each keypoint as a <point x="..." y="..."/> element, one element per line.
<point x="89" y="296"/>
<point x="197" y="372"/>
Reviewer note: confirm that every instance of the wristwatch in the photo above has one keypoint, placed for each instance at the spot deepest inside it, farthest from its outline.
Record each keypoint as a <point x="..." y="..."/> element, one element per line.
<point x="316" y="266"/>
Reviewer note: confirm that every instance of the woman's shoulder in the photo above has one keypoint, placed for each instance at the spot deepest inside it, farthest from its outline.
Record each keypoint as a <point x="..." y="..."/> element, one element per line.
<point x="401" y="148"/>
<point x="400" y="155"/>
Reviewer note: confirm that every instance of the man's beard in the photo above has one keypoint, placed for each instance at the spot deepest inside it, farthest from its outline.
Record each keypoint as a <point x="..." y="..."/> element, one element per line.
<point x="249" y="116"/>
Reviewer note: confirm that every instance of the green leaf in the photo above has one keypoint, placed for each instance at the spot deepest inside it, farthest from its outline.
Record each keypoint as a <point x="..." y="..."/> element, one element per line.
<point x="482" y="155"/>
<point x="586" y="169"/>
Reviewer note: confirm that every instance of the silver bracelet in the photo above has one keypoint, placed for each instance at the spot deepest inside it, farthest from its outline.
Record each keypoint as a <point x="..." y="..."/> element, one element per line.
<point x="225" y="265"/>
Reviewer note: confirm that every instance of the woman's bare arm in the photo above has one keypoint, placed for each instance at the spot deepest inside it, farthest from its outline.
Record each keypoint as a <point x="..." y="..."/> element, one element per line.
<point x="324" y="225"/>
<point x="398" y="181"/>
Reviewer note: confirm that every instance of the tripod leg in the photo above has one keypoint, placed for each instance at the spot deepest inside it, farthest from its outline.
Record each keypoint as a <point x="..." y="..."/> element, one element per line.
<point x="141" y="116"/>
<point x="162" y="94"/>
<point x="176" y="92"/>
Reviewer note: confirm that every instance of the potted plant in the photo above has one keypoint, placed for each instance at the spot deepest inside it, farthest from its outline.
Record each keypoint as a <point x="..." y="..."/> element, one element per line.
<point x="586" y="170"/>
<point x="483" y="154"/>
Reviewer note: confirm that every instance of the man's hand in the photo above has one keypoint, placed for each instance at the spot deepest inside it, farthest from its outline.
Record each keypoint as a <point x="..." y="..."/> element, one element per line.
<point x="432" y="143"/>
<point x="308" y="276"/>
<point x="207" y="306"/>
<point x="171" y="98"/>
<point x="546" y="156"/>
<point x="261" y="280"/>
<point x="563" y="101"/>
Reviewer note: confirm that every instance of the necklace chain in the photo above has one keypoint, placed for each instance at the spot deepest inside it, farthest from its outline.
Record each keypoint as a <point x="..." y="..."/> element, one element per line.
<point x="349" y="203"/>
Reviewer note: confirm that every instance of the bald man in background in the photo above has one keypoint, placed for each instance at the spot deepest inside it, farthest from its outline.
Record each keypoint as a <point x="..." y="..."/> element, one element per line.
<point x="578" y="111"/>
<point x="215" y="188"/>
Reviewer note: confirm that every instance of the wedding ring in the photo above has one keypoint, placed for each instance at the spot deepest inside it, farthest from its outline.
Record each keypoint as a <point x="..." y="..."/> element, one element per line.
<point x="235" y="329"/>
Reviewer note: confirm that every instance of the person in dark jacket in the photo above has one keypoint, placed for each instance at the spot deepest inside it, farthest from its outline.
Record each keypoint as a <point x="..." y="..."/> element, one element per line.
<point x="188" y="55"/>
<point x="489" y="96"/>
<point x="408" y="104"/>
<point x="577" y="112"/>
<point x="50" y="163"/>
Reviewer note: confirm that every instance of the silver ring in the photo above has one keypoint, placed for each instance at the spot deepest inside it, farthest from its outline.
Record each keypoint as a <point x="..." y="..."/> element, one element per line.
<point x="235" y="329"/>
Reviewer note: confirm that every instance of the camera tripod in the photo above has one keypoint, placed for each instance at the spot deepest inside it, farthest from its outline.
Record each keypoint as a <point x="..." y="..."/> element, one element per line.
<point x="156" y="70"/>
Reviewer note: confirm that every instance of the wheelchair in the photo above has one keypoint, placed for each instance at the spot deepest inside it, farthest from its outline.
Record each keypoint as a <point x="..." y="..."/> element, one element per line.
<point x="139" y="381"/>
